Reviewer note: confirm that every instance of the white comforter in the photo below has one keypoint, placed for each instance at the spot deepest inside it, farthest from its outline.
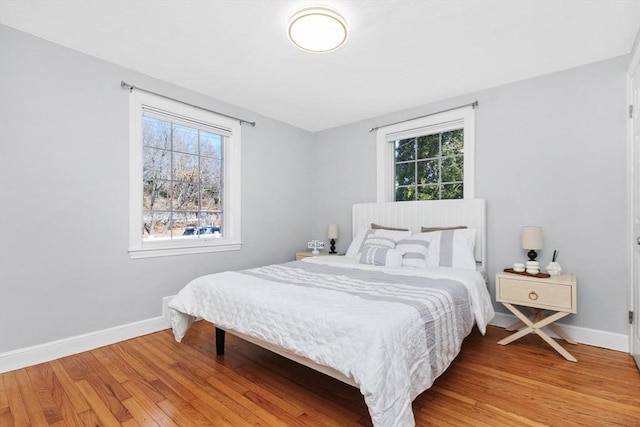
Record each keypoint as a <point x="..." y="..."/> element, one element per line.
<point x="389" y="333"/>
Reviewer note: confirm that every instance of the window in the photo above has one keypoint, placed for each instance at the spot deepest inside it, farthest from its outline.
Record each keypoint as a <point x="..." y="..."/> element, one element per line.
<point x="430" y="167"/>
<point x="429" y="158"/>
<point x="185" y="179"/>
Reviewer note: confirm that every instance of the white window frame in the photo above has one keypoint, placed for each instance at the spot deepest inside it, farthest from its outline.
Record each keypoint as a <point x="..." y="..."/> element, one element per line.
<point x="231" y="239"/>
<point x="459" y="118"/>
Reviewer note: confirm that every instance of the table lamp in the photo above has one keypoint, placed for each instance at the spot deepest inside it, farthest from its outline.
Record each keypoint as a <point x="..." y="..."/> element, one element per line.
<point x="532" y="240"/>
<point x="332" y="234"/>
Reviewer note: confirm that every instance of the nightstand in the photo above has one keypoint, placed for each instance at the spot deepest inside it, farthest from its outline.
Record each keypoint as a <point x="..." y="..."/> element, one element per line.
<point x="300" y="255"/>
<point x="538" y="295"/>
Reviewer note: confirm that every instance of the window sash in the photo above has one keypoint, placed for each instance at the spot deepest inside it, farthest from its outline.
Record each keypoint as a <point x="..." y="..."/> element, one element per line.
<point x="149" y="111"/>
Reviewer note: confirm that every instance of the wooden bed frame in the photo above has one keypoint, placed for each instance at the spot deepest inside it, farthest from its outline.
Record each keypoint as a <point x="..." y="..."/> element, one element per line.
<point x="411" y="215"/>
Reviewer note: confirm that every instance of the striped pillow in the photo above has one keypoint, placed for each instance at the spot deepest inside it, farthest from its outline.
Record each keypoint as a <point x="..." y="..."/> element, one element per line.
<point x="373" y="255"/>
<point x="414" y="251"/>
<point x="451" y="248"/>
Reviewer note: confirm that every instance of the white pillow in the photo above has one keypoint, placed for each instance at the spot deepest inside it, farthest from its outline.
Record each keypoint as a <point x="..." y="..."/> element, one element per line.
<point x="374" y="255"/>
<point x="378" y="237"/>
<point x="356" y="243"/>
<point x="414" y="250"/>
<point x="451" y="248"/>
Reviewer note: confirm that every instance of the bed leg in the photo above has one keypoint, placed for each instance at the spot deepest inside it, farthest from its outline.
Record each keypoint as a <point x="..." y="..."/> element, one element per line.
<point x="219" y="341"/>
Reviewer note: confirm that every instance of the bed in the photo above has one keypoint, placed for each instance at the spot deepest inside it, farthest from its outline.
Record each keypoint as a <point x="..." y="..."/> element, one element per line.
<point x="388" y="318"/>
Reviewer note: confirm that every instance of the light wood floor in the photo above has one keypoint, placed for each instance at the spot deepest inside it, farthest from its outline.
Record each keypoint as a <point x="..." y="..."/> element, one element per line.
<point x="151" y="381"/>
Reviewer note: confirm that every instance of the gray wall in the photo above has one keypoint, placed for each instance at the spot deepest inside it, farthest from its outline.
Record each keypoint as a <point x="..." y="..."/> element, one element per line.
<point x="64" y="214"/>
<point x="550" y="151"/>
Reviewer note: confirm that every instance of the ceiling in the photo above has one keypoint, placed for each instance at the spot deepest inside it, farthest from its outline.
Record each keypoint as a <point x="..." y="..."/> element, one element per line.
<point x="399" y="54"/>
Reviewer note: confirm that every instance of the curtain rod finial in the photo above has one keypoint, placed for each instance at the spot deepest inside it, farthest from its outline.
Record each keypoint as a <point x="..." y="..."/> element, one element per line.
<point x="126" y="85"/>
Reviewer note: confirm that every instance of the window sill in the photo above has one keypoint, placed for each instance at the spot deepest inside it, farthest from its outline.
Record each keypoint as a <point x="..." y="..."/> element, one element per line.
<point x="153" y="252"/>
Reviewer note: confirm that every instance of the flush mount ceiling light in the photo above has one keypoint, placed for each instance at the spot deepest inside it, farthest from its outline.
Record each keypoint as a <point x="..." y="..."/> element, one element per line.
<point x="317" y="29"/>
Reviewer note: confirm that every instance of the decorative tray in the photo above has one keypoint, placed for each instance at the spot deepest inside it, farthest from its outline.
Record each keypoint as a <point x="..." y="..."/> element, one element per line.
<point x="524" y="273"/>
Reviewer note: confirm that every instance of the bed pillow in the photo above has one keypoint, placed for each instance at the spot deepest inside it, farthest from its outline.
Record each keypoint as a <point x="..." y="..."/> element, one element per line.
<point x="356" y="243"/>
<point x="414" y="250"/>
<point x="429" y="229"/>
<point x="375" y="226"/>
<point x="451" y="248"/>
<point x="374" y="255"/>
<point x="380" y="238"/>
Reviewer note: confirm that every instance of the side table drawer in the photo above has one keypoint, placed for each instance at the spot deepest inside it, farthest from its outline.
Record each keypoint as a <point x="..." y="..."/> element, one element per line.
<point x="538" y="294"/>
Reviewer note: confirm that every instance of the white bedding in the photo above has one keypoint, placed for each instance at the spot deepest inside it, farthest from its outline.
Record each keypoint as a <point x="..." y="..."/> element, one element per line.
<point x="333" y="311"/>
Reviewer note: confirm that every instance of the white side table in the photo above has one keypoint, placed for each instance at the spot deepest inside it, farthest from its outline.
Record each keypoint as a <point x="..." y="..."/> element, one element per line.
<point x="300" y="255"/>
<point x="538" y="295"/>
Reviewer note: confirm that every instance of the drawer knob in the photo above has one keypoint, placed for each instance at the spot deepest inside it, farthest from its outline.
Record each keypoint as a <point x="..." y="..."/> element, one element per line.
<point x="533" y="295"/>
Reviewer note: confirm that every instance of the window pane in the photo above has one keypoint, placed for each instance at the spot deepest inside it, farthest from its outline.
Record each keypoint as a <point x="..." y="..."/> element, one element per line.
<point x="185" y="167"/>
<point x="452" y="169"/>
<point x="452" y="191"/>
<point x="405" y="173"/>
<point x="453" y="142"/>
<point x="210" y="223"/>
<point x="184" y="224"/>
<point x="211" y="197"/>
<point x="185" y="140"/>
<point x="405" y="193"/>
<point x="428" y="172"/>
<point x="210" y="170"/>
<point x="429" y="146"/>
<point x="156" y="164"/>
<point x="186" y="196"/>
<point x="156" y="223"/>
<point x="156" y="133"/>
<point x="156" y="195"/>
<point x="405" y="150"/>
<point x="428" y="192"/>
<point x="210" y="145"/>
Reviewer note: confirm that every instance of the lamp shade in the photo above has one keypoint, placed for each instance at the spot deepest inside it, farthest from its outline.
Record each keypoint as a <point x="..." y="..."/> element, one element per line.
<point x="332" y="231"/>
<point x="532" y="237"/>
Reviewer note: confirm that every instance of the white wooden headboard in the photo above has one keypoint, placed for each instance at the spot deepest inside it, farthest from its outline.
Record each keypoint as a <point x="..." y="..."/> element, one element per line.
<point x="433" y="213"/>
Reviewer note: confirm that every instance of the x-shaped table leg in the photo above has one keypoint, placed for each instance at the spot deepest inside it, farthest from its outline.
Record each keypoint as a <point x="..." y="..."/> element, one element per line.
<point x="535" y="317"/>
<point x="534" y="324"/>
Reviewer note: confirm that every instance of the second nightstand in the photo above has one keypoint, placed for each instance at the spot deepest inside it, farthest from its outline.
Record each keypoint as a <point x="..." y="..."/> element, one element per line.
<point x="300" y="255"/>
<point x="557" y="293"/>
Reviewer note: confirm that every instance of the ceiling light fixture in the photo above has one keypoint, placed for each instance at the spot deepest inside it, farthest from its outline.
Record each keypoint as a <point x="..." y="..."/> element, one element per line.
<point x="317" y="29"/>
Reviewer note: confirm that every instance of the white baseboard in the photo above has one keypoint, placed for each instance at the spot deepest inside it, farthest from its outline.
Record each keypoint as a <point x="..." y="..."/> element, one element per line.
<point x="21" y="358"/>
<point x="594" y="337"/>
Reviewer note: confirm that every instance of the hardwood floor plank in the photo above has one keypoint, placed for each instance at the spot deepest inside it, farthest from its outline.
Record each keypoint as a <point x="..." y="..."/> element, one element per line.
<point x="45" y="387"/>
<point x="241" y="404"/>
<point x="98" y="406"/>
<point x="30" y="398"/>
<point x="90" y="419"/>
<point x="55" y="395"/>
<point x="175" y="402"/>
<point x="74" y="395"/>
<point x="141" y="416"/>
<point x="137" y="366"/>
<point x="19" y="414"/>
<point x="6" y="418"/>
